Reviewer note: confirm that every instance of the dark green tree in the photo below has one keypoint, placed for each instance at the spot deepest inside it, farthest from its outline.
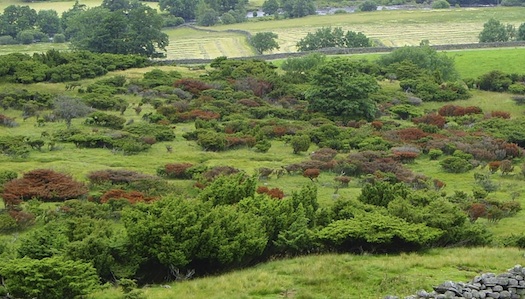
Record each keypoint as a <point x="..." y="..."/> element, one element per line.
<point x="298" y="8"/>
<point x="270" y="7"/>
<point x="264" y="41"/>
<point x="16" y="19"/>
<point x="133" y="31"/>
<point x="437" y="64"/>
<point x="494" y="31"/>
<point x="300" y="143"/>
<point x="368" y="5"/>
<point x="520" y="34"/>
<point x="48" y="22"/>
<point x="328" y="37"/>
<point x="114" y="5"/>
<point x="206" y="15"/>
<point x="339" y="88"/>
<point x="180" y="8"/>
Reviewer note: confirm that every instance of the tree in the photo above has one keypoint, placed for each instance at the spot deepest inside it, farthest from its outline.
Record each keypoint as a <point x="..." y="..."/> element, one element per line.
<point x="48" y="22"/>
<point x="339" y="88"/>
<point x="133" y="31"/>
<point x="494" y="31"/>
<point x="298" y="8"/>
<point x="520" y="35"/>
<point x="264" y="41"/>
<point x="179" y="8"/>
<point x="270" y="7"/>
<point x="440" y="4"/>
<point x="368" y="5"/>
<point x="300" y="143"/>
<point x="328" y="37"/>
<point x="437" y="64"/>
<point x="68" y="108"/>
<point x="17" y="18"/>
<point x="206" y="16"/>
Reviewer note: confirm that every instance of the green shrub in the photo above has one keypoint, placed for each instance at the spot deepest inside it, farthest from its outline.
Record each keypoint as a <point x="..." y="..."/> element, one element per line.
<point x="455" y="165"/>
<point x="48" y="278"/>
<point x="7" y="40"/>
<point x="435" y="153"/>
<point x="59" y="38"/>
<point x="440" y="4"/>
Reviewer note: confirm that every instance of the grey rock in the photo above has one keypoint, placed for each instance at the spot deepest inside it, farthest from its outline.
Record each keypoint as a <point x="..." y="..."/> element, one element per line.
<point x="467" y="295"/>
<point x="493" y="295"/>
<point x="497" y="288"/>
<point x="504" y="294"/>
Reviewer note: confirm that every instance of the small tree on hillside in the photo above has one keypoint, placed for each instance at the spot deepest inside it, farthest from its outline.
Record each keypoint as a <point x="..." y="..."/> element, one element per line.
<point x="68" y="108"/>
<point x="300" y="143"/>
<point x="495" y="31"/>
<point x="368" y="5"/>
<point x="270" y="7"/>
<point x="264" y="41"/>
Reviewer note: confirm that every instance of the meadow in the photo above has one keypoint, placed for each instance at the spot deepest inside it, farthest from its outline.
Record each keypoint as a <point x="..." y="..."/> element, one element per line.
<point x="342" y="276"/>
<point x="394" y="28"/>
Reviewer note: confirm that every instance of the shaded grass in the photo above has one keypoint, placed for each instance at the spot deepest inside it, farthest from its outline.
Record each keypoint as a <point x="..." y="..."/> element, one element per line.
<point x="345" y="275"/>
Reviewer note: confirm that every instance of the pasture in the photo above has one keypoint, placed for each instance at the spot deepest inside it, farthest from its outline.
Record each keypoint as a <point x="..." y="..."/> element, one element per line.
<point x="342" y="276"/>
<point x="388" y="28"/>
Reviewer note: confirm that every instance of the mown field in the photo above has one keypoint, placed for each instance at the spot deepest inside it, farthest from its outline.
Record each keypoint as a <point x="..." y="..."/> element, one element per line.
<point x="388" y="28"/>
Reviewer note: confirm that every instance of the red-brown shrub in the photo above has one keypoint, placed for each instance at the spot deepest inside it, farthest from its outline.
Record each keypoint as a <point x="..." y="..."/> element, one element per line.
<point x="131" y="196"/>
<point x="192" y="86"/>
<point x="273" y="193"/>
<point x="177" y="170"/>
<point x="249" y="103"/>
<point x="477" y="210"/>
<point x="116" y="176"/>
<point x="216" y="171"/>
<point x="452" y="110"/>
<point x="405" y="156"/>
<point x="431" y="119"/>
<point x="500" y="114"/>
<point x="42" y="184"/>
<point x="324" y="154"/>
<point x="312" y="173"/>
<point x="343" y="180"/>
<point x="494" y="166"/>
<point x="438" y="185"/>
<point x="377" y="125"/>
<point x="234" y="142"/>
<point x="410" y="134"/>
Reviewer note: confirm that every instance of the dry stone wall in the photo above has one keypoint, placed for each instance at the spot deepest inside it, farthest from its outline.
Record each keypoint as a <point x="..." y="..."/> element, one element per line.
<point x="508" y="285"/>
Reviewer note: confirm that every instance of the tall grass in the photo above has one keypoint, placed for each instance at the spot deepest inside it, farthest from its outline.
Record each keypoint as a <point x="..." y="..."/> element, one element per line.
<point x="344" y="275"/>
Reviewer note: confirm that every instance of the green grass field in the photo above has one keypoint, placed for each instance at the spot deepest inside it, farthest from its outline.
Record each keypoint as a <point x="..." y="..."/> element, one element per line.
<point x="342" y="276"/>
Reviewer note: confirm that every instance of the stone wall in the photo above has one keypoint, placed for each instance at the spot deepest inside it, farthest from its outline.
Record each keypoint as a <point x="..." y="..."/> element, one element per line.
<point x="340" y="51"/>
<point x="508" y="285"/>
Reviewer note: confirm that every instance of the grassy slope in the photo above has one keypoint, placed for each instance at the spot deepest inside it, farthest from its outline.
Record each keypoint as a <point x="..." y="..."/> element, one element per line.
<point x="343" y="276"/>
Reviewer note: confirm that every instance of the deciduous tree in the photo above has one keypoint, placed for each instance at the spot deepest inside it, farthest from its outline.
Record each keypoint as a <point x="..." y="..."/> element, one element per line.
<point x="264" y="41"/>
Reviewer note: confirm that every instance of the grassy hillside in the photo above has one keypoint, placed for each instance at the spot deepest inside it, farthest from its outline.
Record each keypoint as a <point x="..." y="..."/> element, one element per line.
<point x="342" y="276"/>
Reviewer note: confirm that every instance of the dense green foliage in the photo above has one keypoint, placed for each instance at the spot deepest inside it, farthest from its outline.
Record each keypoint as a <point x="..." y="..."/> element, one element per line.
<point x="329" y="37"/>
<point x="264" y="41"/>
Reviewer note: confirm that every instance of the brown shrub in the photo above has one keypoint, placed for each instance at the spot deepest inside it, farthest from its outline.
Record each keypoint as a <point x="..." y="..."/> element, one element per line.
<point x="273" y="193"/>
<point x="431" y="119"/>
<point x="132" y="197"/>
<point x="42" y="184"/>
<point x="500" y="114"/>
<point x="177" y="170"/>
<point x="312" y="173"/>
